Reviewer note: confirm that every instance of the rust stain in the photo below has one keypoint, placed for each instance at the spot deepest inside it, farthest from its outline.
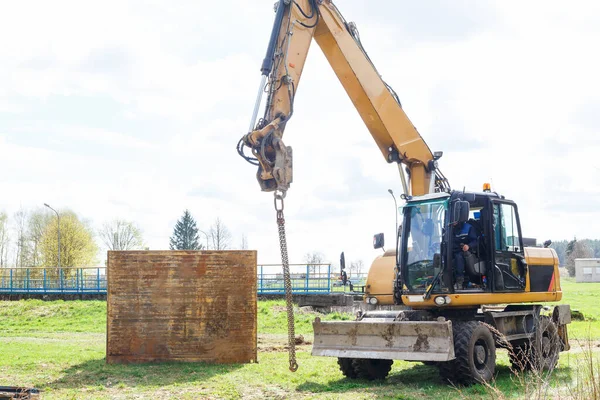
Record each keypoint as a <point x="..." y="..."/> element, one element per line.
<point x="353" y="335"/>
<point x="181" y="306"/>
<point x="422" y="343"/>
<point x="388" y="336"/>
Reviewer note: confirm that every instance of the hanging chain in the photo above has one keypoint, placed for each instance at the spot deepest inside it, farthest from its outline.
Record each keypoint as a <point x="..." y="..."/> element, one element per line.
<point x="286" y="279"/>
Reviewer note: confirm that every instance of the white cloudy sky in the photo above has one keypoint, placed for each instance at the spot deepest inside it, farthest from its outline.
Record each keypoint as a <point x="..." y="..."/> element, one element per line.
<point x="132" y="109"/>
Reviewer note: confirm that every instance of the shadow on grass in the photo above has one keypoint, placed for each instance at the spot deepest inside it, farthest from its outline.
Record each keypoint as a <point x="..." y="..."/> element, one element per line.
<point x="419" y="375"/>
<point x="422" y="380"/>
<point x="98" y="373"/>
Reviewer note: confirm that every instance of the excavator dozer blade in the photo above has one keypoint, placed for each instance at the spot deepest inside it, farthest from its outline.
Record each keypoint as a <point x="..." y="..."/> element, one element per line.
<point x="388" y="340"/>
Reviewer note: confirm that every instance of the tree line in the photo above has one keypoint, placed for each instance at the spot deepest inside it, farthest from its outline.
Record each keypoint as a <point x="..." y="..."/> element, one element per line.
<point x="353" y="267"/>
<point x="569" y="250"/>
<point x="186" y="235"/>
<point x="30" y="238"/>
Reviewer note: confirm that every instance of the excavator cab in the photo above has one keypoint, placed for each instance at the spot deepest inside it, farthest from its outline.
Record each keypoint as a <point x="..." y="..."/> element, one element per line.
<point x="429" y="248"/>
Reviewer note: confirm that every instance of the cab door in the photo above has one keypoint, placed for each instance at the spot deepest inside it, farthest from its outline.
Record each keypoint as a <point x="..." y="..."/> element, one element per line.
<point x="509" y="265"/>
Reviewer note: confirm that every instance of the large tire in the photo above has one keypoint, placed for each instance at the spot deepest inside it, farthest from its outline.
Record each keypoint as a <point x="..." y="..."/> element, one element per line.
<point x="550" y="345"/>
<point x="541" y="356"/>
<point x="347" y="368"/>
<point x="446" y="370"/>
<point x="372" y="369"/>
<point x="475" y="352"/>
<point x="521" y="357"/>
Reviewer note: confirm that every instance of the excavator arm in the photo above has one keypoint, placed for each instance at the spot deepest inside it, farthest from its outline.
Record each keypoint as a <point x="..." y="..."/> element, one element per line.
<point x="297" y="22"/>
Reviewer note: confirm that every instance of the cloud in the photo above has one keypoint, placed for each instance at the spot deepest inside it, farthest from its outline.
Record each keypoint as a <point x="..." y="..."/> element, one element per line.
<point x="140" y="120"/>
<point x="111" y="60"/>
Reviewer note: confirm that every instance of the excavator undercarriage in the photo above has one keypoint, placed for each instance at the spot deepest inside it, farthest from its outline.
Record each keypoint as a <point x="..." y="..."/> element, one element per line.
<point x="462" y="343"/>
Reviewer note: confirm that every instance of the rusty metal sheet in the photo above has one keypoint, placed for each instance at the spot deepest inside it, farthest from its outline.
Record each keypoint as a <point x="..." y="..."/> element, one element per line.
<point x="388" y="340"/>
<point x="181" y="306"/>
<point x="21" y="393"/>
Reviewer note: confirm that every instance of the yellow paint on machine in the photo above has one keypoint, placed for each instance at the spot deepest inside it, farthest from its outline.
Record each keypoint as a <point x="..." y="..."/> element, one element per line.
<point x="477" y="299"/>
<point x="380" y="284"/>
<point x="380" y="280"/>
<point x="538" y="256"/>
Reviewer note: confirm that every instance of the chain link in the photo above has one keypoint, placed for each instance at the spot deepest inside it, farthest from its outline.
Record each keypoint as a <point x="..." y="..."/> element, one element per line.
<point x="287" y="280"/>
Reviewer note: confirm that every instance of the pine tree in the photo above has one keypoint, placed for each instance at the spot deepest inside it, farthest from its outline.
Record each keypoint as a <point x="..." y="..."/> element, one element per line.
<point x="185" y="235"/>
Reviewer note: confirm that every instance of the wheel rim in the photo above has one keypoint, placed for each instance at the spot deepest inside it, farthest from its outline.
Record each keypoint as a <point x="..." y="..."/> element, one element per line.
<point x="480" y="354"/>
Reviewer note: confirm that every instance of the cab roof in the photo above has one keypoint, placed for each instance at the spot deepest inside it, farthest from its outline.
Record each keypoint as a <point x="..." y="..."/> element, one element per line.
<point x="455" y="194"/>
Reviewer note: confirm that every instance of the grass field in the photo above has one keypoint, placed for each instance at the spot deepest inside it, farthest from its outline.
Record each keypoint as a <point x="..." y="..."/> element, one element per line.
<point x="59" y="347"/>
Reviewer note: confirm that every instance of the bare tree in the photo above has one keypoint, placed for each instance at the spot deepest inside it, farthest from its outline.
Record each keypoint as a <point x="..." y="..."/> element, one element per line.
<point x="4" y="240"/>
<point x="244" y="242"/>
<point x="577" y="249"/>
<point x="121" y="235"/>
<point x="313" y="258"/>
<point x="22" y="250"/>
<point x="220" y="235"/>
<point x="356" y="267"/>
<point x="37" y="223"/>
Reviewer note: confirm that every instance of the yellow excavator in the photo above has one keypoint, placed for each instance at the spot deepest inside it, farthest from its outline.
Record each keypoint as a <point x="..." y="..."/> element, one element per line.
<point x="467" y="283"/>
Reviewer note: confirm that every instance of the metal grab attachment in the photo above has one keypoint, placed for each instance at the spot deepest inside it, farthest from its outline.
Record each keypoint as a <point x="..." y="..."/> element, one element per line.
<point x="278" y="200"/>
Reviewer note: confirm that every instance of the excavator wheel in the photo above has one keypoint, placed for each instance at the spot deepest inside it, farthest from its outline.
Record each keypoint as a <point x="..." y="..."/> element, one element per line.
<point x="521" y="357"/>
<point x="524" y="356"/>
<point x="347" y="368"/>
<point x="550" y="345"/>
<point x="475" y="352"/>
<point x="372" y="369"/>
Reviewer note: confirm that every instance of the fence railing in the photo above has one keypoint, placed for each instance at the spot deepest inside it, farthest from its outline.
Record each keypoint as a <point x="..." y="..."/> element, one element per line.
<point x="53" y="280"/>
<point x="306" y="279"/>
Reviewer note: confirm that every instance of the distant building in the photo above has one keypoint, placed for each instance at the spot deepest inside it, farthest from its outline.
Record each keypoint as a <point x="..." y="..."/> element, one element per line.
<point x="587" y="269"/>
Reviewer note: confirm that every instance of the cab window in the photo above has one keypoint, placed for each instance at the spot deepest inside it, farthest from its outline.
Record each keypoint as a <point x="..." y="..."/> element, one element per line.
<point x="510" y="238"/>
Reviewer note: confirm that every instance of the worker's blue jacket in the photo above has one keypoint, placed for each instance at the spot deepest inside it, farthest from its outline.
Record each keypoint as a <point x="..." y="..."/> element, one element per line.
<point x="465" y="234"/>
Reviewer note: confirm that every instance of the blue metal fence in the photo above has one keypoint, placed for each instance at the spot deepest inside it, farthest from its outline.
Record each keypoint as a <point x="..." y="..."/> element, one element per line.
<point x="53" y="281"/>
<point x="306" y="279"/>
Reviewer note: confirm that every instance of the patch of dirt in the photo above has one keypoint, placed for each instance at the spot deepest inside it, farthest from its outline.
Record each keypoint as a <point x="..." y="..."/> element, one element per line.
<point x="270" y="392"/>
<point x="301" y="310"/>
<point x="300" y="340"/>
<point x="278" y="343"/>
<point x="582" y="346"/>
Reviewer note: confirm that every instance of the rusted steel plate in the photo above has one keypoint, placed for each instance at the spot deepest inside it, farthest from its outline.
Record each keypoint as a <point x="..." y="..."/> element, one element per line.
<point x="400" y="340"/>
<point x="181" y="306"/>
<point x="21" y="393"/>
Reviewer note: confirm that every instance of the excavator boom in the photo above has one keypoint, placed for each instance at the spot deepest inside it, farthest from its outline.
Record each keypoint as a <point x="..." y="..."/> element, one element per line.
<point x="297" y="22"/>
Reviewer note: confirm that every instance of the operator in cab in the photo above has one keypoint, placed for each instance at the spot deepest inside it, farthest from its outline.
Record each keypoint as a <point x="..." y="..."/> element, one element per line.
<point x="465" y="239"/>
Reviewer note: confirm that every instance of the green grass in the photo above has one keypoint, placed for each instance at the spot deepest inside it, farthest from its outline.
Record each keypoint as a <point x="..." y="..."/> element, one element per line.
<point x="583" y="297"/>
<point x="72" y="366"/>
<point x="272" y="318"/>
<point x="52" y="316"/>
<point x="59" y="347"/>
